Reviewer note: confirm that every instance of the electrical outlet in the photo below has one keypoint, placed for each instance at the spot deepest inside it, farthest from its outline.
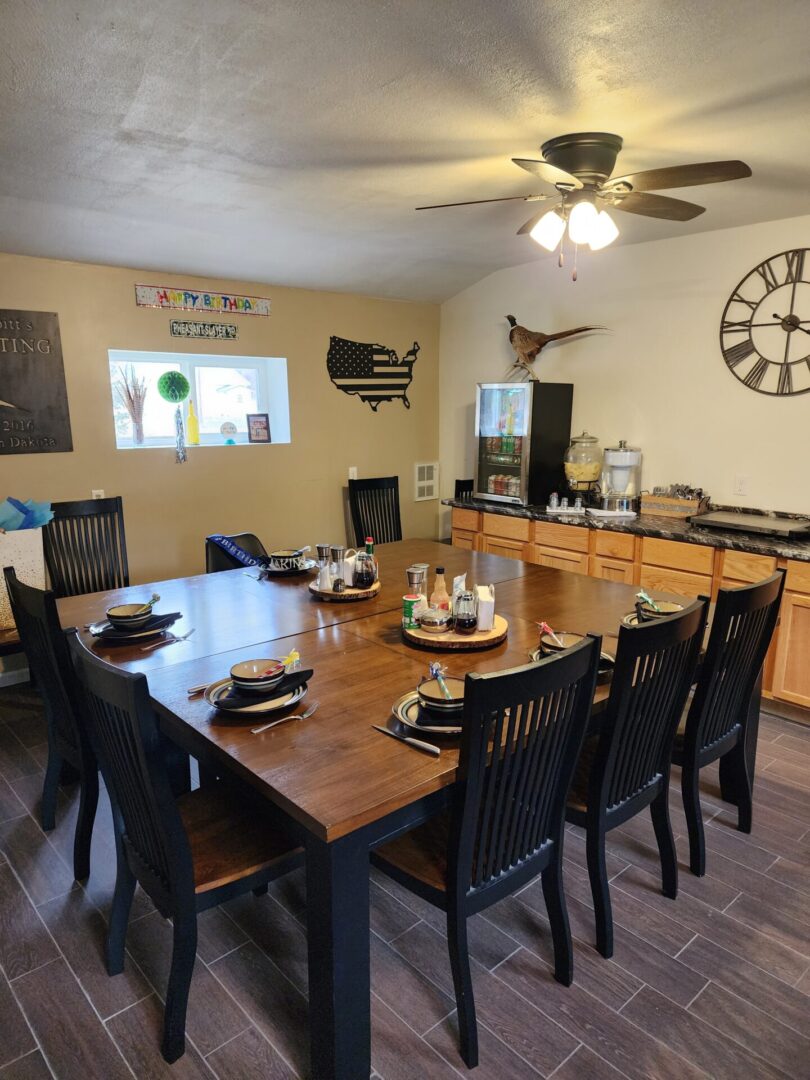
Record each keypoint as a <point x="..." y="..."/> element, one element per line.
<point x="97" y="493"/>
<point x="352" y="472"/>
<point x="741" y="482"/>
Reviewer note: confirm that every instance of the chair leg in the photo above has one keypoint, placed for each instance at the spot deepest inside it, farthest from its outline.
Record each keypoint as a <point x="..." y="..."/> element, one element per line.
<point x="50" y="790"/>
<point x="659" y="809"/>
<point x="462" y="983"/>
<point x="600" y="890"/>
<point x="88" y="801"/>
<point x="183" y="954"/>
<point x="737" y="767"/>
<point x="119" y="913"/>
<point x="690" y="789"/>
<point x="558" y="918"/>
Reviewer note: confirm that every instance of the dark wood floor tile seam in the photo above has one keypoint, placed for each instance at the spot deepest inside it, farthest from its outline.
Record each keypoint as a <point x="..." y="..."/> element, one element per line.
<point x="393" y="940"/>
<point x="786" y="770"/>
<point x="772" y="1023"/>
<point x="565" y="1060"/>
<point x="238" y="1035"/>
<point x="250" y="1022"/>
<point x="733" y="900"/>
<point x="769" y="932"/>
<point x="517" y="948"/>
<point x="22" y="1057"/>
<point x="122" y="1051"/>
<point x="460" y="1070"/>
<point x="144" y="997"/>
<point x="37" y="967"/>
<point x="30" y="1026"/>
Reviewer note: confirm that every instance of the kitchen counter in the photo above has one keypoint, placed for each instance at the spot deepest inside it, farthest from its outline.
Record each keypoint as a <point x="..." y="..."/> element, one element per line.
<point x="662" y="528"/>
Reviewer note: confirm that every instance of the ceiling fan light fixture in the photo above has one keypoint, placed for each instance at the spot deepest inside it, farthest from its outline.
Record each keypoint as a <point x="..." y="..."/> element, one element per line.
<point x="582" y="222"/>
<point x="548" y="230"/>
<point x="603" y="231"/>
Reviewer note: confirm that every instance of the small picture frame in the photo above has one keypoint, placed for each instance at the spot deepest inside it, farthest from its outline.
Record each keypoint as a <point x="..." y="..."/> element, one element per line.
<point x="258" y="427"/>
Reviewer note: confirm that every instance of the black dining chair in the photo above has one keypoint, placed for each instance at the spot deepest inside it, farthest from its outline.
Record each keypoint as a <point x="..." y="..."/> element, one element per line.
<point x="374" y="506"/>
<point x="217" y="559"/>
<point x="189" y="853"/>
<point x="44" y="644"/>
<point x="464" y="490"/>
<point x="521" y="735"/>
<point x="85" y="547"/>
<point x="717" y="722"/>
<point x="626" y="766"/>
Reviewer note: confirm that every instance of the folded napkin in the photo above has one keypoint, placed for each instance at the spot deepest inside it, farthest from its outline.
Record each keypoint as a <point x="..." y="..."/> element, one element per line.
<point x="109" y="633"/>
<point x="236" y="698"/>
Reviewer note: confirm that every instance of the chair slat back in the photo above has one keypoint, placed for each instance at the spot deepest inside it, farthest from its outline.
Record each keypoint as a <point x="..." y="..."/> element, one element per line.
<point x="464" y="489"/>
<point x="742" y="628"/>
<point x="655" y="664"/>
<point x="216" y="559"/>
<point x="48" y="657"/>
<point x="85" y="547"/>
<point x="522" y="732"/>
<point x="374" y="505"/>
<point x="131" y="754"/>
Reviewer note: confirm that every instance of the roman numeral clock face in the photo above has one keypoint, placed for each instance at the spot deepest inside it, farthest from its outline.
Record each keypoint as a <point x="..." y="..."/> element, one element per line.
<point x="765" y="333"/>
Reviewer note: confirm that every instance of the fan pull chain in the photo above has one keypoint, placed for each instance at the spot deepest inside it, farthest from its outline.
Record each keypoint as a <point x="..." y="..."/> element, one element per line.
<point x="574" y="275"/>
<point x="561" y="259"/>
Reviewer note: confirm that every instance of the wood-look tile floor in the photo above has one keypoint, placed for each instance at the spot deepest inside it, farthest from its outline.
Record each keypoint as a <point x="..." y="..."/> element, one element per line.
<point x="715" y="983"/>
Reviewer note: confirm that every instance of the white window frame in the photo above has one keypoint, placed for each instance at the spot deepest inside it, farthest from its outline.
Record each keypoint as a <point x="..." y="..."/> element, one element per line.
<point x="274" y="402"/>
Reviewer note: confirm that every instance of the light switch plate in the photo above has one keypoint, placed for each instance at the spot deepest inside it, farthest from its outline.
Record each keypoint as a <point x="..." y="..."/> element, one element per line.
<point x="97" y="493"/>
<point x="352" y="472"/>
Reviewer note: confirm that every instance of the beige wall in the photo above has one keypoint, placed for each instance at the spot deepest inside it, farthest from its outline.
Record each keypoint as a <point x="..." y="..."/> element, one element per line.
<point x="288" y="495"/>
<point x="658" y="379"/>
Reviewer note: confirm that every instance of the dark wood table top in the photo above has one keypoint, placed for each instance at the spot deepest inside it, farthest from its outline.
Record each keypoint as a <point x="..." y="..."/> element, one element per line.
<point x="233" y="609"/>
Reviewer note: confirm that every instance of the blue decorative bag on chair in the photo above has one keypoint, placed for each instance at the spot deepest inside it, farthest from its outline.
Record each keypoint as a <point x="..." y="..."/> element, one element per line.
<point x="234" y="550"/>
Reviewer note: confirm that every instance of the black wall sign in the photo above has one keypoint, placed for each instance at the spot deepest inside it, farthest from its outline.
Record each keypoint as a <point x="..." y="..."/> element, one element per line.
<point x="34" y="414"/>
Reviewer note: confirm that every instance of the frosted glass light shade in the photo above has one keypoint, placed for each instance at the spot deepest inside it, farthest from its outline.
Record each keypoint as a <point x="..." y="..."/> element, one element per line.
<point x="581" y="222"/>
<point x="603" y="231"/>
<point x="548" y="230"/>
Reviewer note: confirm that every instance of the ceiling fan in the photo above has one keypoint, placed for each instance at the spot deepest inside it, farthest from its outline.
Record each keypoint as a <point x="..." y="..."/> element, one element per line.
<point x="579" y="166"/>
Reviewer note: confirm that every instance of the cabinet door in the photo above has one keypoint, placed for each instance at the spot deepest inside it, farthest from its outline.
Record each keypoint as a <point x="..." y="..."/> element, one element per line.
<point x="678" y="582"/>
<point x="496" y="545"/>
<point x="612" y="569"/>
<point x="676" y="555"/>
<point x="614" y="545"/>
<point x="572" y="561"/>
<point x="791" y="676"/>
<point x="462" y="539"/>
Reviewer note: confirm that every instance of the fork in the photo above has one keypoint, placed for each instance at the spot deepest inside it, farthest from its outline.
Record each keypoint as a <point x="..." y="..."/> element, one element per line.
<point x="173" y="640"/>
<point x="284" y="719"/>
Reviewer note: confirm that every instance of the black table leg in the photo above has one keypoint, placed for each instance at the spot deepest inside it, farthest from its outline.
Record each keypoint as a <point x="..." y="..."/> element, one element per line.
<point x="338" y="946"/>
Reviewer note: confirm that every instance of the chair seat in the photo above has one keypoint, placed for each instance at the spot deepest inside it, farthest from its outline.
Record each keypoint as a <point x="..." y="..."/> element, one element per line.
<point x="578" y="792"/>
<point x="227" y="843"/>
<point x="420" y="853"/>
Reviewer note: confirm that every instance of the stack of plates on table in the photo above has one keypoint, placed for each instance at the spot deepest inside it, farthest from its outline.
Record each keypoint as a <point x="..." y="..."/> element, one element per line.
<point x="305" y="567"/>
<point x="153" y="626"/>
<point x="649" y="614"/>
<point x="427" y="708"/>
<point x="226" y="696"/>
<point x="607" y="661"/>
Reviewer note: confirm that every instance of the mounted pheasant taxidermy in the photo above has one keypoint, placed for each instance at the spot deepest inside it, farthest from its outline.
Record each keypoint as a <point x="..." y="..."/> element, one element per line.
<point x="527" y="344"/>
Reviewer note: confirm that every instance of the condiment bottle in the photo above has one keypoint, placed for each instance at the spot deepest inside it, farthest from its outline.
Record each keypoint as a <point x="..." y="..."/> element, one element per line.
<point x="440" y="598"/>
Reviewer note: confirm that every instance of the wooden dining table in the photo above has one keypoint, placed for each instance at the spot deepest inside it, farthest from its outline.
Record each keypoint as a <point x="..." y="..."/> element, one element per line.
<point x="342" y="786"/>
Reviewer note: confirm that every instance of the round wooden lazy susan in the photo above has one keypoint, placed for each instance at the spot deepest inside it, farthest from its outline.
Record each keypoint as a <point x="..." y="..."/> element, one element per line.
<point x="481" y="639"/>
<point x="346" y="596"/>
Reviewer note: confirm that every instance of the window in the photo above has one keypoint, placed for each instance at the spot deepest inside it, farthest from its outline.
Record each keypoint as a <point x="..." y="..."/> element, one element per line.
<point x="224" y="389"/>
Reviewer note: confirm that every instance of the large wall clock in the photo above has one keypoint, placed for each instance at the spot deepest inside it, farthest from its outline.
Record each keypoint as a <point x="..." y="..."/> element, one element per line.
<point x="765" y="332"/>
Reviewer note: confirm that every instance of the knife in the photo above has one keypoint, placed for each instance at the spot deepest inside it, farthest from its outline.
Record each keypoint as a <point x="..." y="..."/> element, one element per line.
<point x="417" y="744"/>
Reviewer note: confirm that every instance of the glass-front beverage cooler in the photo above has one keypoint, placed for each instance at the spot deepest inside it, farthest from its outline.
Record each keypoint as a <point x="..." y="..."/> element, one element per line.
<point x="522" y="431"/>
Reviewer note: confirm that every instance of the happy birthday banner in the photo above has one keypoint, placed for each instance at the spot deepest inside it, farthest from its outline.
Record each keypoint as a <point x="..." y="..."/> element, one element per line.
<point x="187" y="300"/>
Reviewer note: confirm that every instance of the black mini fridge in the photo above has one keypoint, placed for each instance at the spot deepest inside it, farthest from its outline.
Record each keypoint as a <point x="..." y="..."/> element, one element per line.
<point x="522" y="431"/>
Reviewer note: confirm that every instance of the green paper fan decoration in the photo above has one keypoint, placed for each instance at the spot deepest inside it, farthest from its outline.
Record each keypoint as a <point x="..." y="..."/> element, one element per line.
<point x="173" y="386"/>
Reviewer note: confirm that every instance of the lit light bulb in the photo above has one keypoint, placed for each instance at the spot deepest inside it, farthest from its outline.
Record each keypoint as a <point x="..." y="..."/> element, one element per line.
<point x="581" y="221"/>
<point x="603" y="231"/>
<point x="548" y="230"/>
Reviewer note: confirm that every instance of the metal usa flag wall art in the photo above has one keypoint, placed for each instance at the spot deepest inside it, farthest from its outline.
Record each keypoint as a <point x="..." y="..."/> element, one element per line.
<point x="373" y="373"/>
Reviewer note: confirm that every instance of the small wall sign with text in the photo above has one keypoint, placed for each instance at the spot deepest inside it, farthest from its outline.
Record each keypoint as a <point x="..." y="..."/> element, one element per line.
<point x="258" y="427"/>
<point x="178" y="328"/>
<point x="34" y="415"/>
<point x="161" y="296"/>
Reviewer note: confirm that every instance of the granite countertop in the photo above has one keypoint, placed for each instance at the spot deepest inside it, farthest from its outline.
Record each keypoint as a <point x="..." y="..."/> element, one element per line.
<point x="663" y="528"/>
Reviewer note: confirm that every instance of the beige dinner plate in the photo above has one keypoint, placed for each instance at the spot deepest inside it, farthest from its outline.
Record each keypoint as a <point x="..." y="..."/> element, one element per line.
<point x="406" y="710"/>
<point x="216" y="690"/>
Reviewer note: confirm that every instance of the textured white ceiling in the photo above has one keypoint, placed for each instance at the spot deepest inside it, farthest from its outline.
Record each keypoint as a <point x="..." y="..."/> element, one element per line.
<point x="289" y="140"/>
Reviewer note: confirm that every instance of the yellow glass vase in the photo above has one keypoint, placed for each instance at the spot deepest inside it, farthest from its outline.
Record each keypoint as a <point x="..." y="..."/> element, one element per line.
<point x="192" y="426"/>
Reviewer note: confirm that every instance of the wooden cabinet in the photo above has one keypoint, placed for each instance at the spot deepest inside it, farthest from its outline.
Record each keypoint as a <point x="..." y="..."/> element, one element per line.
<point x="573" y="561"/>
<point x="667" y="566"/>
<point x="613" y="569"/>
<point x="499" y="545"/>
<point x="791" y="669"/>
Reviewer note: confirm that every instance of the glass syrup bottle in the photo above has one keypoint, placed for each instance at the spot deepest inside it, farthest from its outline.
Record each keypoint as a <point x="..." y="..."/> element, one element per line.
<point x="365" y="566"/>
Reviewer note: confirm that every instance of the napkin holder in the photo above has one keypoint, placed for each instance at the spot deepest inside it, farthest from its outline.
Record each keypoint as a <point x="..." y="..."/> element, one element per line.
<point x="485" y="597"/>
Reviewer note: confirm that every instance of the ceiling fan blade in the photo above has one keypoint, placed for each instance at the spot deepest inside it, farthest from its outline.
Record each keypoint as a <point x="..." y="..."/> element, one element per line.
<point x="475" y="202"/>
<point x="548" y="172"/>
<point x="656" y="206"/>
<point x="678" y="176"/>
